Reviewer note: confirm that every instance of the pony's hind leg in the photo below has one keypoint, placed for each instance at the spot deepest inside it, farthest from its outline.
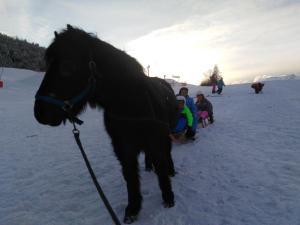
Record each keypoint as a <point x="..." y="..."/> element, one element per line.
<point x="162" y="168"/>
<point x="148" y="162"/>
<point x="164" y="183"/>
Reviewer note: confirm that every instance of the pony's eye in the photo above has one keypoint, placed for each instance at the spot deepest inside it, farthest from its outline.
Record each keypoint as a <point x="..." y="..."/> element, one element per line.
<point x="67" y="68"/>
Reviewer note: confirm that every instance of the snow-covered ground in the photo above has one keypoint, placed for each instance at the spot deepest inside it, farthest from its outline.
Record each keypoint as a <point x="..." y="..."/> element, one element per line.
<point x="242" y="170"/>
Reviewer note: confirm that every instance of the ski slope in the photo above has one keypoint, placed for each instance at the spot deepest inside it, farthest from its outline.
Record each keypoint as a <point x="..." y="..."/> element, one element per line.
<point x="241" y="170"/>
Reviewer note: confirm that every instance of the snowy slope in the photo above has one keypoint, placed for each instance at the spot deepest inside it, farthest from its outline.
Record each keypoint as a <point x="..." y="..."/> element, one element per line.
<point x="244" y="169"/>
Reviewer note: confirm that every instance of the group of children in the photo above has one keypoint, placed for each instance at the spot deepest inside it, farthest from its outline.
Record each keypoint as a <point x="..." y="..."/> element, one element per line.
<point x="191" y="113"/>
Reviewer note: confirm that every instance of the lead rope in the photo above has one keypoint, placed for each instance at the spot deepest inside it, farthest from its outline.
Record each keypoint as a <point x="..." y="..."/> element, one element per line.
<point x="98" y="187"/>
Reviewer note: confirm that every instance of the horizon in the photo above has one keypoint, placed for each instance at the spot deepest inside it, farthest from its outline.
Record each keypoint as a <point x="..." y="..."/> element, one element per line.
<point x="175" y="38"/>
<point x="174" y="83"/>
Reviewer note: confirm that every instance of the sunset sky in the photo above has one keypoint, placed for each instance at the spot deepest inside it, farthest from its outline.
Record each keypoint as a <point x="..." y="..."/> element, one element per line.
<point x="245" y="38"/>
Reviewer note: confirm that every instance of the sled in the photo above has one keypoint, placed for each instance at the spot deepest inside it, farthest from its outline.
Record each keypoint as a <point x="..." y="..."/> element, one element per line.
<point x="180" y="138"/>
<point x="204" y="123"/>
<point x="203" y="119"/>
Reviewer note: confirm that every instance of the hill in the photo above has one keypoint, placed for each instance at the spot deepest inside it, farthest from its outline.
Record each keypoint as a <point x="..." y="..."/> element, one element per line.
<point x="243" y="169"/>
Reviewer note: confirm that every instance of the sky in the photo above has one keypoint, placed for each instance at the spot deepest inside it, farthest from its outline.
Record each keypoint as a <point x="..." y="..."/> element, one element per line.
<point x="182" y="38"/>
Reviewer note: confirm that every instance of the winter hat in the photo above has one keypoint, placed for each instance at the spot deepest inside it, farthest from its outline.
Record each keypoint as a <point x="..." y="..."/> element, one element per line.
<point x="199" y="93"/>
<point x="180" y="98"/>
<point x="183" y="88"/>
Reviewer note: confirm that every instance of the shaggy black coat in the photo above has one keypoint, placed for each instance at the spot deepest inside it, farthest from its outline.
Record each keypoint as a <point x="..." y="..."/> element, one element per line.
<point x="139" y="111"/>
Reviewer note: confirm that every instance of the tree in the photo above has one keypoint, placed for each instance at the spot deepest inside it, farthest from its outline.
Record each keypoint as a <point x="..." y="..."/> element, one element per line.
<point x="206" y="78"/>
<point x="210" y="76"/>
<point x="216" y="72"/>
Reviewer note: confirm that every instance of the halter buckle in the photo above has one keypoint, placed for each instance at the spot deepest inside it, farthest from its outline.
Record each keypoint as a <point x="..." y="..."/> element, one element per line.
<point x="67" y="106"/>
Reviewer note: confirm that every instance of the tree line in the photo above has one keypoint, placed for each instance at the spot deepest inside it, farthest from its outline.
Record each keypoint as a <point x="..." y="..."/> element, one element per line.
<point x="17" y="53"/>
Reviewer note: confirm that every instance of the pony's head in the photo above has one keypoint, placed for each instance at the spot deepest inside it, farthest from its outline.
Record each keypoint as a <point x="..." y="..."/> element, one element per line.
<point x="69" y="79"/>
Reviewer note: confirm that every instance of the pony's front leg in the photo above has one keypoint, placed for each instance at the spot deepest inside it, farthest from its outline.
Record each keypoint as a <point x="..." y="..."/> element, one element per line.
<point x="171" y="170"/>
<point x="130" y="171"/>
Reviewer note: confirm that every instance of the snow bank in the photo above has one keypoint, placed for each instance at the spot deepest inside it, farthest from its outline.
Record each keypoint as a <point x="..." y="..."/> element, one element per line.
<point x="243" y="169"/>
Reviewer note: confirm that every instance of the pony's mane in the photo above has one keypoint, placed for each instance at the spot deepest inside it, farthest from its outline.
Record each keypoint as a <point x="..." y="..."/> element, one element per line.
<point x="101" y="49"/>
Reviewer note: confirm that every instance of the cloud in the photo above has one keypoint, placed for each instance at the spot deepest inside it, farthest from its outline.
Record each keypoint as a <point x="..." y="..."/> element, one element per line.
<point x="177" y="50"/>
<point x="3" y="6"/>
<point x="17" y="21"/>
<point x="264" y="42"/>
<point x="174" y="36"/>
<point x="245" y="41"/>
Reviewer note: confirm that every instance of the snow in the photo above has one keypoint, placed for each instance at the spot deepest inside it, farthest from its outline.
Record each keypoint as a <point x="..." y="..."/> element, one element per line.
<point x="278" y="77"/>
<point x="243" y="169"/>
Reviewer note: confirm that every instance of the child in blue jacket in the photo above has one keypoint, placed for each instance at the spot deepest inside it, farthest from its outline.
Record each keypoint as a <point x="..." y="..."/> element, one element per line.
<point x="191" y="105"/>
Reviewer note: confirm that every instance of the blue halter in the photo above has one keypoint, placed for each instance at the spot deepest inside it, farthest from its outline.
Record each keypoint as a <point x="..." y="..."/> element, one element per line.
<point x="67" y="105"/>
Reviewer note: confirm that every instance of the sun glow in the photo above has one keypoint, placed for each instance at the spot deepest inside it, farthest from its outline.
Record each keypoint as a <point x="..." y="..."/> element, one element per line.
<point x="174" y="52"/>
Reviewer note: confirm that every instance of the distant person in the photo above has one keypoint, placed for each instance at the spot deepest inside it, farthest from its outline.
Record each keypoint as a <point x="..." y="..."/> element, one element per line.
<point x="220" y="84"/>
<point x="185" y="121"/>
<point x="213" y="80"/>
<point x="184" y="91"/>
<point x="257" y="86"/>
<point x="204" y="105"/>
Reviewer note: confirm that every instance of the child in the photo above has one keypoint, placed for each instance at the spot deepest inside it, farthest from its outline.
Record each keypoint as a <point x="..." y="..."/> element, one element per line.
<point x="220" y="84"/>
<point x="185" y="121"/>
<point x="202" y="105"/>
<point x="213" y="79"/>
<point x="189" y="102"/>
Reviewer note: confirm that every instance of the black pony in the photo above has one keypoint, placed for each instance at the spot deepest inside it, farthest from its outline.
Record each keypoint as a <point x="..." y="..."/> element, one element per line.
<point x="139" y="111"/>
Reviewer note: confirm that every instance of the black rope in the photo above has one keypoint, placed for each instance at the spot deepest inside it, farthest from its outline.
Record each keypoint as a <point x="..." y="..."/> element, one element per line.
<point x="99" y="189"/>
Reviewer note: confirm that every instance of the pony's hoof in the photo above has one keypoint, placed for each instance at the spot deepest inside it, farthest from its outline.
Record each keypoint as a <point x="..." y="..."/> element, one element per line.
<point x="129" y="219"/>
<point x="172" y="173"/>
<point x="168" y="204"/>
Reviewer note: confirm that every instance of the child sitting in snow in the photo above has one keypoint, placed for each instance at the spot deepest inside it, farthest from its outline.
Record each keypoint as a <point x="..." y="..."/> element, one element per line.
<point x="185" y="121"/>
<point x="189" y="102"/>
<point x="204" y="105"/>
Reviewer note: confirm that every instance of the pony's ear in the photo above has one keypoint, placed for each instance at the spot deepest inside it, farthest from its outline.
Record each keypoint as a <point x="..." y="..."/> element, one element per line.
<point x="55" y="34"/>
<point x="93" y="69"/>
<point x="69" y="27"/>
